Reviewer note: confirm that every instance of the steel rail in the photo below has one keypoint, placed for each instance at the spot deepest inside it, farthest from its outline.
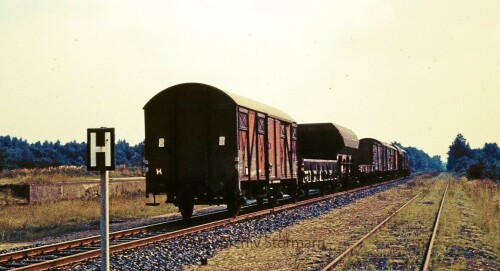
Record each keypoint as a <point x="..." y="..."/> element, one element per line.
<point x="30" y="252"/>
<point x="19" y="255"/>
<point x="348" y="251"/>
<point x="434" y="233"/>
<point x="92" y="240"/>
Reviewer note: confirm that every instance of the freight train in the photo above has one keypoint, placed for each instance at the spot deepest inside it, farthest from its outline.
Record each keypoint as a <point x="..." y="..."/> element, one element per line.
<point x="204" y="145"/>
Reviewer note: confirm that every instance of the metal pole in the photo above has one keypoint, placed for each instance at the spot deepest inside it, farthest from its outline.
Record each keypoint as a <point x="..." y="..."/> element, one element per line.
<point x="104" y="221"/>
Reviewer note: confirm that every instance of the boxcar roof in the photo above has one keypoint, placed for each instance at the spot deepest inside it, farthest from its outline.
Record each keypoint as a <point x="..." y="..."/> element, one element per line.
<point x="345" y="137"/>
<point x="264" y="108"/>
<point x="375" y="141"/>
<point x="350" y="138"/>
<point x="237" y="100"/>
<point x="389" y="146"/>
<point x="370" y="140"/>
<point x="400" y="150"/>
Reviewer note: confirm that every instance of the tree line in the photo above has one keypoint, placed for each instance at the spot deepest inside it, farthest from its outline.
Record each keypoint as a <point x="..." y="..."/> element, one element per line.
<point x="18" y="153"/>
<point x="421" y="161"/>
<point x="462" y="159"/>
<point x="474" y="163"/>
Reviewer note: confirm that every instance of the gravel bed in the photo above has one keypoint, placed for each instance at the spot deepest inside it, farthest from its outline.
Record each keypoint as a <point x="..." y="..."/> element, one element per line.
<point x="93" y="229"/>
<point x="192" y="249"/>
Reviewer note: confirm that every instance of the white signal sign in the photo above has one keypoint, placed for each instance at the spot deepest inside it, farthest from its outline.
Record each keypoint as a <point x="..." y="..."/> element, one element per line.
<point x="101" y="149"/>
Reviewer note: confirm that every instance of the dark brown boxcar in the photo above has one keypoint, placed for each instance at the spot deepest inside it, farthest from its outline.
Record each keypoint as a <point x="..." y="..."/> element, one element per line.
<point x="377" y="159"/>
<point x="403" y="165"/>
<point x="207" y="146"/>
<point x="370" y="157"/>
<point x="391" y="160"/>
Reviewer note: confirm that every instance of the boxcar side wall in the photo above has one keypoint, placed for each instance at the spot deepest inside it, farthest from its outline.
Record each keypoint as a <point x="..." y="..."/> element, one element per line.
<point x="266" y="147"/>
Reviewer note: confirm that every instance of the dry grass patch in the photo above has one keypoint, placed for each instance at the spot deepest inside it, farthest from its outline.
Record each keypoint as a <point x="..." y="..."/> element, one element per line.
<point x="60" y="174"/>
<point x="30" y="222"/>
<point x="468" y="237"/>
<point x="401" y="243"/>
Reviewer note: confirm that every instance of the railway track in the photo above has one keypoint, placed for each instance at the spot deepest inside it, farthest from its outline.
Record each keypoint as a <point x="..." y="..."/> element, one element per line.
<point x="48" y="256"/>
<point x="61" y="254"/>
<point x="428" y="251"/>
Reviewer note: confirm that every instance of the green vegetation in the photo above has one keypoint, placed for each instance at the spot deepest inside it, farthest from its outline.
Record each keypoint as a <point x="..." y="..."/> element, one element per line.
<point x="474" y="163"/>
<point x="421" y="161"/>
<point x="18" y="153"/>
<point x="30" y="222"/>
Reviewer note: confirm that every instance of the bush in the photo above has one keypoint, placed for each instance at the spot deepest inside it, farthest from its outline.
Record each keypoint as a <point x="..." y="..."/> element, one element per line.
<point x="475" y="171"/>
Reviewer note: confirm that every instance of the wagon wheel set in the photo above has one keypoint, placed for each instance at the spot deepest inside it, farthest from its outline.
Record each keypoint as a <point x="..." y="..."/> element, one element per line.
<point x="185" y="201"/>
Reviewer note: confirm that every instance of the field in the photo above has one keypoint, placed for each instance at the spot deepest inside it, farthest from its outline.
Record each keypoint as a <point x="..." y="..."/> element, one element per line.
<point x="24" y="223"/>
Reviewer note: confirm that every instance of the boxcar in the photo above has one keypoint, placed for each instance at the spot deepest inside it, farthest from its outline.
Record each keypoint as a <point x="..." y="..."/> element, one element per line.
<point x="204" y="145"/>
<point x="327" y="154"/>
<point x="370" y="158"/>
<point x="377" y="159"/>
<point x="391" y="160"/>
<point x="403" y="165"/>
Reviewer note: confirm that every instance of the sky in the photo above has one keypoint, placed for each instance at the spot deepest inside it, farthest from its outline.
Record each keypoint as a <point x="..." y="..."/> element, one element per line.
<point x="416" y="72"/>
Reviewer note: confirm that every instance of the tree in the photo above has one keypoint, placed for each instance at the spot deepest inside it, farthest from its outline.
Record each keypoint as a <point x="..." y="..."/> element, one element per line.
<point x="435" y="163"/>
<point x="491" y="150"/>
<point x="421" y="161"/>
<point x="459" y="149"/>
<point x="18" y="153"/>
<point x="474" y="163"/>
<point x="2" y="159"/>
<point x="489" y="156"/>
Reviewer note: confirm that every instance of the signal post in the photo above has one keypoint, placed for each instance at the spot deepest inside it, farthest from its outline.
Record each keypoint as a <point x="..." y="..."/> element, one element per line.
<point x="101" y="157"/>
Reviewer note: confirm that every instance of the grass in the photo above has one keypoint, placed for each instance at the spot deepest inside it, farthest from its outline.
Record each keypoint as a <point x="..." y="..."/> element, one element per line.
<point x="60" y="174"/>
<point x="486" y="199"/>
<point x="31" y="222"/>
<point x="9" y="199"/>
<point x="402" y="241"/>
<point x="467" y="237"/>
<point x="470" y="222"/>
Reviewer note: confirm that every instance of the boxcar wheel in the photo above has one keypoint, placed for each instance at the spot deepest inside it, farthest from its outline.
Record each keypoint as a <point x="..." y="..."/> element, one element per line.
<point x="273" y="201"/>
<point x="233" y="207"/>
<point x="186" y="206"/>
<point x="293" y="195"/>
